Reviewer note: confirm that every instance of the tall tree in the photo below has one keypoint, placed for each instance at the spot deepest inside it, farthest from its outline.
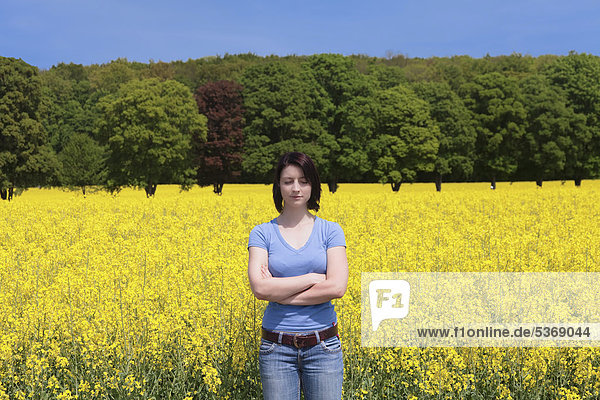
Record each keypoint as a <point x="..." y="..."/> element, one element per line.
<point x="457" y="136"/>
<point x="284" y="111"/>
<point x="82" y="162"/>
<point x="499" y="115"/>
<point x="406" y="140"/>
<point x="579" y="76"/>
<point x="149" y="126"/>
<point x="219" y="158"/>
<point x="551" y="125"/>
<point x="26" y="158"/>
<point x="65" y="103"/>
<point x="349" y="120"/>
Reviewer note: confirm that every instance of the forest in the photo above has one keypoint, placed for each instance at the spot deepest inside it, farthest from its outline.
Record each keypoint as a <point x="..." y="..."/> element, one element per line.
<point x="227" y="119"/>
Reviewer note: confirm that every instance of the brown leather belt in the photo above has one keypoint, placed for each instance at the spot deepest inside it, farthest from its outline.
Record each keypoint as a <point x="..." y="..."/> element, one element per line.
<point x="299" y="340"/>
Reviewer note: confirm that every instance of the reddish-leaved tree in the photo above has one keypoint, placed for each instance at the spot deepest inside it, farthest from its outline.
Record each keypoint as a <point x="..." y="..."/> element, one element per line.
<point x="219" y="159"/>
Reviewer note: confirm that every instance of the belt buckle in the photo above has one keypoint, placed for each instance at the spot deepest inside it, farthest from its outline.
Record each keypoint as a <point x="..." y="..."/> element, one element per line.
<point x="296" y="339"/>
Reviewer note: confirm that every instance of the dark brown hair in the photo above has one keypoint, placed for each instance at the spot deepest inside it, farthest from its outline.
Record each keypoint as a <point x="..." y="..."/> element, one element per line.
<point x="306" y="164"/>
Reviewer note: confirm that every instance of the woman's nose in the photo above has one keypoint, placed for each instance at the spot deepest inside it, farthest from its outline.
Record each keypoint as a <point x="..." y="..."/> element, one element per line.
<point x="296" y="186"/>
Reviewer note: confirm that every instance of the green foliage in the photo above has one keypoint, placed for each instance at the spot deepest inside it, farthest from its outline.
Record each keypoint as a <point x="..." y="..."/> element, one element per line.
<point x="82" y="162"/>
<point x="349" y="123"/>
<point x="329" y="106"/>
<point x="551" y="125"/>
<point x="579" y="76"/>
<point x="148" y="126"/>
<point x="497" y="106"/>
<point x="406" y="140"/>
<point x="457" y="136"/>
<point x="160" y="70"/>
<point x="108" y="78"/>
<point x="65" y="105"/>
<point x="357" y="129"/>
<point x="26" y="159"/>
<point x="285" y="111"/>
<point x="515" y="65"/>
<point x="387" y="77"/>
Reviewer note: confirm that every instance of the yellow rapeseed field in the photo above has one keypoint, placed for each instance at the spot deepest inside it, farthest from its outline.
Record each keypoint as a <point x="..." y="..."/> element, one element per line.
<point x="108" y="297"/>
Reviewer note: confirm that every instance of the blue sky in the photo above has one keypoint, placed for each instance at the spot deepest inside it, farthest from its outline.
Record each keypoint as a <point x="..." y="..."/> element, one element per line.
<point x="46" y="32"/>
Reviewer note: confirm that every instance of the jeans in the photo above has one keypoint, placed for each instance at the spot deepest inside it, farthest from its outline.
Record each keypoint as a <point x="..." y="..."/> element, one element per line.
<point x="317" y="370"/>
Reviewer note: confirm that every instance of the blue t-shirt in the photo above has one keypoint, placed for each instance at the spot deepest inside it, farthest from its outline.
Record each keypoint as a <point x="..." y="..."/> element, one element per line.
<point x="284" y="261"/>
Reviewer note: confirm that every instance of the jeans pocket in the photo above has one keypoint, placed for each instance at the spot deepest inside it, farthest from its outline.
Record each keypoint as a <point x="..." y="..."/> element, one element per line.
<point x="332" y="345"/>
<point x="266" y="347"/>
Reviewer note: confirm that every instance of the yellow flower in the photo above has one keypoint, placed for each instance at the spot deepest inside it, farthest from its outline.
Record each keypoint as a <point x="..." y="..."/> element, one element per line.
<point x="116" y="293"/>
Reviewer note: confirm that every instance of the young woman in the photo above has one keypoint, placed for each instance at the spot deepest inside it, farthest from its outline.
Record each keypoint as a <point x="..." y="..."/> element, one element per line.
<point x="298" y="263"/>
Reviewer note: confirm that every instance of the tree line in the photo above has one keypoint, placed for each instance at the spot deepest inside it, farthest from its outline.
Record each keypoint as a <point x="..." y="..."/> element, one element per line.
<point x="227" y="119"/>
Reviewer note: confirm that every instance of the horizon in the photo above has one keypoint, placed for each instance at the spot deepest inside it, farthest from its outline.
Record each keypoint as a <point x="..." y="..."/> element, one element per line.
<point x="222" y="56"/>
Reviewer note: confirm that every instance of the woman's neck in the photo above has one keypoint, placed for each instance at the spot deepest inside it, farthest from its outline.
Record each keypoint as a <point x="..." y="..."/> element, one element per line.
<point x="294" y="217"/>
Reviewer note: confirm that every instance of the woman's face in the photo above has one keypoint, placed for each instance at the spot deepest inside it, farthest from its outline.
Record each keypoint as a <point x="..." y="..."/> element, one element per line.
<point x="295" y="188"/>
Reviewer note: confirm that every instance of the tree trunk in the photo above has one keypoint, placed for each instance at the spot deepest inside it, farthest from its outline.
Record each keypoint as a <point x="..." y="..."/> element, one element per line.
<point x="538" y="182"/>
<point x="83" y="189"/>
<point x="218" y="188"/>
<point x="396" y="186"/>
<point x="578" y="182"/>
<point x="150" y="189"/>
<point x="438" y="183"/>
<point x="10" y="193"/>
<point x="493" y="187"/>
<point x="333" y="185"/>
<point x="3" y="194"/>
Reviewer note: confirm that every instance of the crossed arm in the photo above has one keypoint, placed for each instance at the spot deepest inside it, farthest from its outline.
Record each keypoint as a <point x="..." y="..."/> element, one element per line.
<point x="307" y="289"/>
